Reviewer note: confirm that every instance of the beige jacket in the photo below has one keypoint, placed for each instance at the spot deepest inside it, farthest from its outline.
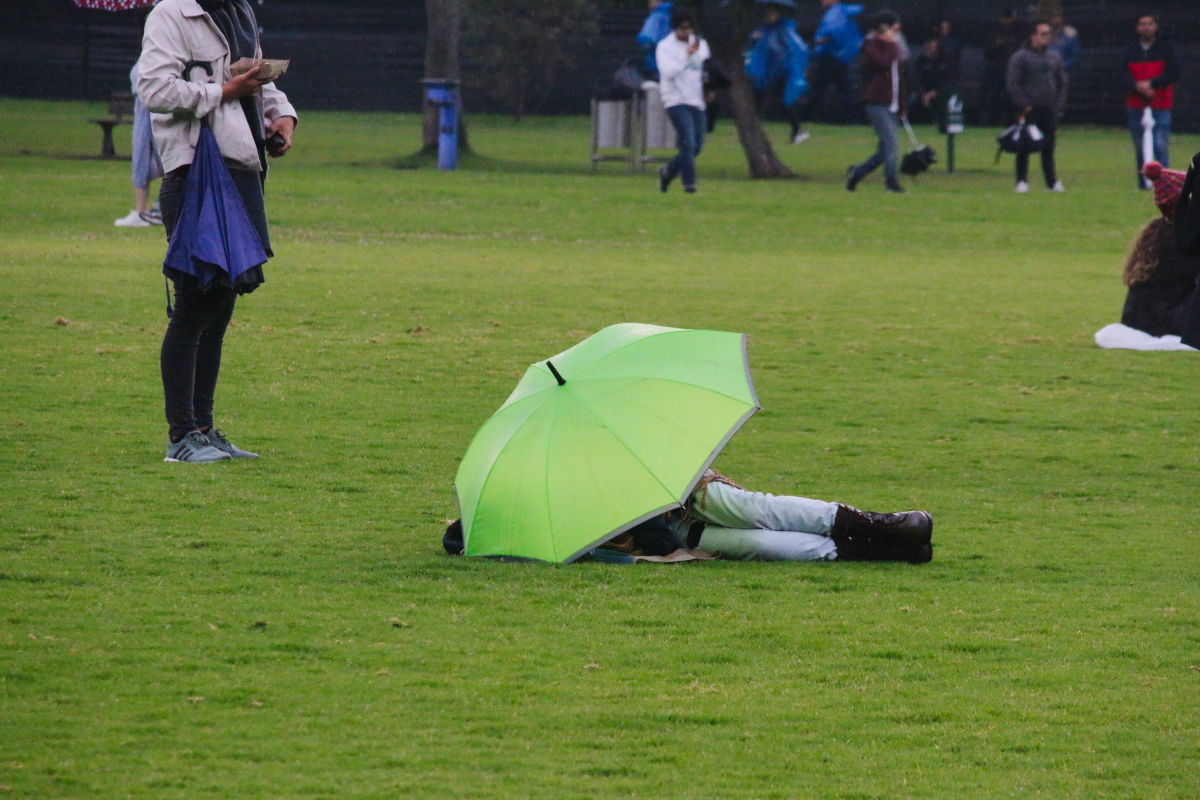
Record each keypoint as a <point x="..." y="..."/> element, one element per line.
<point x="179" y="31"/>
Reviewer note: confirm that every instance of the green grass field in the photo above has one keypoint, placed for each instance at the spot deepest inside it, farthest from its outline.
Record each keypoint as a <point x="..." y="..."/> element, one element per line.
<point x="290" y="627"/>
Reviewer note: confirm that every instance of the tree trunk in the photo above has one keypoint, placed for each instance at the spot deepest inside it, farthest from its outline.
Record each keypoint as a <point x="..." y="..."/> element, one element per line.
<point x="760" y="155"/>
<point x="727" y="48"/>
<point x="443" y="21"/>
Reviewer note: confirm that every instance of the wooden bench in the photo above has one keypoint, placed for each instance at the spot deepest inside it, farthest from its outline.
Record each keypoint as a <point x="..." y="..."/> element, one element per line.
<point x="120" y="112"/>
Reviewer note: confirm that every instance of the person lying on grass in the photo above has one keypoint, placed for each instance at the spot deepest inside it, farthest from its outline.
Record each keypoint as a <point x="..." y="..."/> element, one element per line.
<point x="727" y="521"/>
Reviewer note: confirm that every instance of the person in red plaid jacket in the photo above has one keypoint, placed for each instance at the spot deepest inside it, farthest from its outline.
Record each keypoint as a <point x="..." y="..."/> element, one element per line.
<point x="1150" y="71"/>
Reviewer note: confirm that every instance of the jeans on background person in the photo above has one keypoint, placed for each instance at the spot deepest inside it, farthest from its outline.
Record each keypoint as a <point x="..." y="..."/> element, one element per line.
<point x="1161" y="137"/>
<point x="888" y="152"/>
<point x="689" y="124"/>
<point x="1046" y="119"/>
<point x="144" y="162"/>
<point x="753" y="526"/>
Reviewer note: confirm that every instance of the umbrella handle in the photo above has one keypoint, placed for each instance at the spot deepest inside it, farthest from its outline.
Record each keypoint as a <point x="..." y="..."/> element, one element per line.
<point x="189" y="66"/>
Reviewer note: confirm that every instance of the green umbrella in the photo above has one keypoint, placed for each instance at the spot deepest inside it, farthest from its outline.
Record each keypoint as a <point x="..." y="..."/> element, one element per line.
<point x="601" y="437"/>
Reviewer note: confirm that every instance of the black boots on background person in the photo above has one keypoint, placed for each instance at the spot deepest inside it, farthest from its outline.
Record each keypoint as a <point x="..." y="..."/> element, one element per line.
<point x="872" y="536"/>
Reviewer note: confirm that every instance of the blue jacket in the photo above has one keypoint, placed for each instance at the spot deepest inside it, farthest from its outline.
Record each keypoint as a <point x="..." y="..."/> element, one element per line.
<point x="1066" y="44"/>
<point x="779" y="53"/>
<point x="838" y="25"/>
<point x="656" y="28"/>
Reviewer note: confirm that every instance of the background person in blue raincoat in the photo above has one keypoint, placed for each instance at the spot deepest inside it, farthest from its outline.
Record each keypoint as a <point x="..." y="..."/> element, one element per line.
<point x="185" y="81"/>
<point x="656" y="28"/>
<point x="778" y="60"/>
<point x="836" y="45"/>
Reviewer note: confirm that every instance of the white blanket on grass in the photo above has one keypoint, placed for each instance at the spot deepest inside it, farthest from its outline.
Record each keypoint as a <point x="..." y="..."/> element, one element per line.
<point x="1123" y="337"/>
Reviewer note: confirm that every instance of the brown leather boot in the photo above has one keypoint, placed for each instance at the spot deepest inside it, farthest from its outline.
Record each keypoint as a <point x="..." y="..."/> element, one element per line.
<point x="902" y="527"/>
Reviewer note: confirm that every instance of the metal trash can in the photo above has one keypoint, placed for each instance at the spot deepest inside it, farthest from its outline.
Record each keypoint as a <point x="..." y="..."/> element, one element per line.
<point x="660" y="133"/>
<point x="444" y="95"/>
<point x="633" y="125"/>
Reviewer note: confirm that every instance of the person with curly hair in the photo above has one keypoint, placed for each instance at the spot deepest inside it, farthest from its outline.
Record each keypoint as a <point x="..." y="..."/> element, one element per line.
<point x="1161" y="279"/>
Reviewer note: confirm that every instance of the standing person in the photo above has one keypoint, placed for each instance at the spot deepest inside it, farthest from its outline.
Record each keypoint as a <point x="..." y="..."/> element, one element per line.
<point x="1037" y="86"/>
<point x="656" y="28"/>
<point x="1064" y="40"/>
<point x="928" y="82"/>
<point x="1150" y="71"/>
<point x="885" y="93"/>
<point x="146" y="165"/>
<point x="681" y="58"/>
<point x="185" y="82"/>
<point x="777" y="62"/>
<point x="1004" y="42"/>
<point x="837" y="43"/>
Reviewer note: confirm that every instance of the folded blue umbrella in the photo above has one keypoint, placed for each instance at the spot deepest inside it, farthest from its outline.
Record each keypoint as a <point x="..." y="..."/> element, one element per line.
<point x="214" y="233"/>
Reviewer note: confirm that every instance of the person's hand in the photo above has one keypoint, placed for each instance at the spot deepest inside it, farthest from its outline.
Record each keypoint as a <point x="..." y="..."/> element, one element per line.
<point x="284" y="127"/>
<point x="243" y="85"/>
<point x="692" y="48"/>
<point x="927" y="98"/>
<point x="1145" y="89"/>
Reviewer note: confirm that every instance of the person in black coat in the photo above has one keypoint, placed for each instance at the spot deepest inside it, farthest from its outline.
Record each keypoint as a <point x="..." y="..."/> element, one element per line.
<point x="1161" y="279"/>
<point x="1161" y="282"/>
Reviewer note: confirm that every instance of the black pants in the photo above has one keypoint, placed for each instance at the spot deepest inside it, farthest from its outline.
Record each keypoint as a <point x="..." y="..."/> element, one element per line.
<point x="1047" y="121"/>
<point x="190" y="359"/>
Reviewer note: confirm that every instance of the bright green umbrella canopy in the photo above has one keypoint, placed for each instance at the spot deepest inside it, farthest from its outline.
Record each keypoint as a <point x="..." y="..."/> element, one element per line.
<point x="622" y="433"/>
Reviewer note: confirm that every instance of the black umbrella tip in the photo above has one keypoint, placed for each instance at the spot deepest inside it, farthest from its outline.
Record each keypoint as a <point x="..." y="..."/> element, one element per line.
<point x="561" y="381"/>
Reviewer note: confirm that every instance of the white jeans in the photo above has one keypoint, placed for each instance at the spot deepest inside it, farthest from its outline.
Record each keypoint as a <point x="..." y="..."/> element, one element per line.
<point x="752" y="526"/>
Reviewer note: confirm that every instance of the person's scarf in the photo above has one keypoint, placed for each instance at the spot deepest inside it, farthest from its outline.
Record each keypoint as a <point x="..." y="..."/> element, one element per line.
<point x="235" y="20"/>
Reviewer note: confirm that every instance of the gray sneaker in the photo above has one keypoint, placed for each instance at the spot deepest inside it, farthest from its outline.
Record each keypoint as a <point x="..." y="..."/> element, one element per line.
<point x="217" y="438"/>
<point x="195" y="447"/>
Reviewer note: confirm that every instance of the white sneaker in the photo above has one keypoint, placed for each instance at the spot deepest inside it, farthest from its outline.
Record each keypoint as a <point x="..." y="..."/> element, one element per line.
<point x="800" y="137"/>
<point x="132" y="220"/>
<point x="1058" y="187"/>
<point x="1022" y="187"/>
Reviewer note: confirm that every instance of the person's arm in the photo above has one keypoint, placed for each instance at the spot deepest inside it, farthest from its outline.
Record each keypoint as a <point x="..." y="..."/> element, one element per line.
<point x="824" y="34"/>
<point x="652" y="32"/>
<point x="1015" y="80"/>
<point x="1064" y="80"/>
<point x="1071" y="49"/>
<point x="162" y="87"/>
<point x="281" y="117"/>
<point x="671" y="60"/>
<point x="1127" y="80"/>
<point x="1170" y="72"/>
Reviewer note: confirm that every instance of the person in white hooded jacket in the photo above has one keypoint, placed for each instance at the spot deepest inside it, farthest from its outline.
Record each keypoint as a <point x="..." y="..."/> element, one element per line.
<point x="681" y="58"/>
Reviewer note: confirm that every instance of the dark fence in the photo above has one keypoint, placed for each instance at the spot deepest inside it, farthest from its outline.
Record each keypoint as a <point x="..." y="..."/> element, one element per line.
<point x="369" y="55"/>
